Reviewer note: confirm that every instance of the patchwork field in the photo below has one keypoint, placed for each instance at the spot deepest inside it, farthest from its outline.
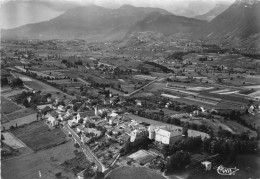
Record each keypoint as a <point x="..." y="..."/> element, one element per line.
<point x="38" y="136"/>
<point x="8" y="106"/>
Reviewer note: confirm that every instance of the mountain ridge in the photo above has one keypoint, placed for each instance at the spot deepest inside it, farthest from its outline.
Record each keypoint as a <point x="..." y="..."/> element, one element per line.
<point x="89" y="22"/>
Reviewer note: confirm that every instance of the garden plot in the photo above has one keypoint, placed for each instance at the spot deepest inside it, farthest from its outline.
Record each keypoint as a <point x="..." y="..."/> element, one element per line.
<point x="11" y="141"/>
<point x="38" y="136"/>
<point x="229" y="92"/>
<point x="220" y="91"/>
<point x="8" y="106"/>
<point x="170" y="96"/>
<point x="225" y="91"/>
<point x="202" y="100"/>
<point x="25" y="79"/>
<point x="144" y="77"/>
<point x="200" y="88"/>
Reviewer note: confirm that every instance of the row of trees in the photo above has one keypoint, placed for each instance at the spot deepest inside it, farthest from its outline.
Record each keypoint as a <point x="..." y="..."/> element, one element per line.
<point x="189" y="144"/>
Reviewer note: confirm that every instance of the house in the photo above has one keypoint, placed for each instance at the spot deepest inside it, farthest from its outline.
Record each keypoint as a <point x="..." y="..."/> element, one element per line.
<point x="92" y="131"/>
<point x="85" y="139"/>
<point x="60" y="108"/>
<point x="138" y="102"/>
<point x="207" y="165"/>
<point x="113" y="114"/>
<point x="72" y="123"/>
<point x="136" y="134"/>
<point x="52" y="121"/>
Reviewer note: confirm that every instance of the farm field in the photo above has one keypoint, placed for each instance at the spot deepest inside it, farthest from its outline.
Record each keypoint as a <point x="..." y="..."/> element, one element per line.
<point x="19" y="121"/>
<point x="46" y="161"/>
<point x="20" y="113"/>
<point x="36" y="84"/>
<point x="127" y="172"/>
<point x="4" y="119"/>
<point x="38" y="136"/>
<point x="11" y="92"/>
<point x="8" y="106"/>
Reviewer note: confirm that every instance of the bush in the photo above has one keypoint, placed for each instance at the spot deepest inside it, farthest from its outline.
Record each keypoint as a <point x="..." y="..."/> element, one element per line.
<point x="76" y="145"/>
<point x="58" y="174"/>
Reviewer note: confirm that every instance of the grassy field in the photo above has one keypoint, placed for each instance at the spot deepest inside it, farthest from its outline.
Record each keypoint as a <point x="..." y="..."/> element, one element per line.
<point x="38" y="136"/>
<point x="134" y="172"/>
<point x="46" y="161"/>
<point x="8" y="106"/>
<point x="20" y="113"/>
<point x="4" y="119"/>
<point x="36" y="84"/>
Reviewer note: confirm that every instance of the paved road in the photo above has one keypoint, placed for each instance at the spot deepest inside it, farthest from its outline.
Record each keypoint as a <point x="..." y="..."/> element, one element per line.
<point x="87" y="151"/>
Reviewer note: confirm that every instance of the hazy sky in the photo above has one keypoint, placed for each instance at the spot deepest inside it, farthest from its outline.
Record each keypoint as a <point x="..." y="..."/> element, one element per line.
<point x="154" y="3"/>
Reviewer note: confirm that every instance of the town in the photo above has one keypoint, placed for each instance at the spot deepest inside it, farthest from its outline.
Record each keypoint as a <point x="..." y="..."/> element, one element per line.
<point x="92" y="110"/>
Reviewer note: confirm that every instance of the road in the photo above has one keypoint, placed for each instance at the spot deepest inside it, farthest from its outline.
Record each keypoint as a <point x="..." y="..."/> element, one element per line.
<point x="87" y="151"/>
<point x="157" y="79"/>
<point x="83" y="81"/>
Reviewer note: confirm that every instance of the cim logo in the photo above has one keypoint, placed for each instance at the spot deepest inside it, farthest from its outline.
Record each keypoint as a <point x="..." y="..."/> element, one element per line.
<point x="226" y="171"/>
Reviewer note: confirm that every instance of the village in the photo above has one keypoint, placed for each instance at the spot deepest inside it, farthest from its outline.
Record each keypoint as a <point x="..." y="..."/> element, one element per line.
<point x="106" y="110"/>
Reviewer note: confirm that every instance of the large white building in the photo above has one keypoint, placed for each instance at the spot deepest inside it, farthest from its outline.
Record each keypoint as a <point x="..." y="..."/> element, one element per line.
<point x="163" y="134"/>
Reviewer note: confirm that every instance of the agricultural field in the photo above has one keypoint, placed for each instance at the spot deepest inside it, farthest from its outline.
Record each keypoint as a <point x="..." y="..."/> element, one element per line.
<point x="38" y="136"/>
<point x="36" y="84"/>
<point x="47" y="162"/>
<point x="8" y="106"/>
<point x="20" y="113"/>
<point x="127" y="172"/>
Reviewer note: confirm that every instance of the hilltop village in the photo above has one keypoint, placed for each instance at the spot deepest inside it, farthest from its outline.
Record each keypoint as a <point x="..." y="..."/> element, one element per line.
<point x="85" y="110"/>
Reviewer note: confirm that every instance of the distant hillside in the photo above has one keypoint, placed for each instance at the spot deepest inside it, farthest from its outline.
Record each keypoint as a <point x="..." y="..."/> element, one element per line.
<point x="167" y="24"/>
<point x="211" y="14"/>
<point x="99" y="23"/>
<point x="239" y="25"/>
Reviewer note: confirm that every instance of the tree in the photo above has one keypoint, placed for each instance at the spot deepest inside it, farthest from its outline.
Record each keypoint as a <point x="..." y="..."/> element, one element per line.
<point x="26" y="103"/>
<point x="76" y="145"/>
<point x="185" y="129"/>
<point x="2" y="137"/>
<point x="81" y="120"/>
<point x="75" y="108"/>
<point x="58" y="174"/>
<point x="17" y="82"/>
<point x="178" y="161"/>
<point x="4" y="81"/>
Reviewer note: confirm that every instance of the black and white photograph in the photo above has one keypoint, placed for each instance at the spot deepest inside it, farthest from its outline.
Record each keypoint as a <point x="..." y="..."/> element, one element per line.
<point x="130" y="89"/>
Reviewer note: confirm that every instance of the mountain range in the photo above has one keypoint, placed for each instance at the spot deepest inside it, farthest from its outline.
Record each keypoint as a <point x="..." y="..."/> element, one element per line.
<point x="212" y="13"/>
<point x="238" y="24"/>
<point x="99" y="23"/>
